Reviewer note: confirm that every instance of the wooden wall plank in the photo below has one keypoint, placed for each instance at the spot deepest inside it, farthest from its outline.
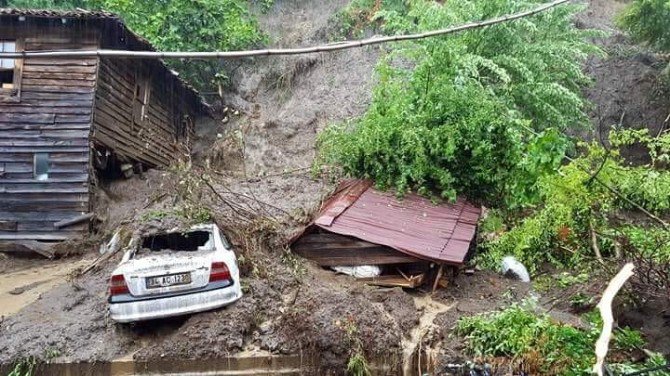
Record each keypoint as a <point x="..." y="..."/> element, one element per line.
<point x="53" y="115"/>
<point x="329" y="249"/>
<point x="114" y="125"/>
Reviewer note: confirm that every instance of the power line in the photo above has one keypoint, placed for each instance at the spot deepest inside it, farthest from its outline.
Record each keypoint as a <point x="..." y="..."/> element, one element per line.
<point x="287" y="51"/>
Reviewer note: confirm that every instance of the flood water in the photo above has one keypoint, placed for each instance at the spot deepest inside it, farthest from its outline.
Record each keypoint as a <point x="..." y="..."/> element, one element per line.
<point x="252" y="365"/>
<point x="20" y="288"/>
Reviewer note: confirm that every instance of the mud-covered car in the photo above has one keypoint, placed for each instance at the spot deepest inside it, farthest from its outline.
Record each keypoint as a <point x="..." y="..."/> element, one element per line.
<point x="174" y="273"/>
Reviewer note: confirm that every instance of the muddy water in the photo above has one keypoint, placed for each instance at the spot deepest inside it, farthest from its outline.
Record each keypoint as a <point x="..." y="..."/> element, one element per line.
<point x="233" y="365"/>
<point x="20" y="288"/>
<point x="431" y="309"/>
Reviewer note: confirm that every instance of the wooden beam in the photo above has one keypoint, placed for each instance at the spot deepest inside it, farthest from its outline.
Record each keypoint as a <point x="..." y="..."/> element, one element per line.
<point x="73" y="221"/>
<point x="437" y="277"/>
<point x="395" y="281"/>
<point x="34" y="237"/>
<point x="44" y="249"/>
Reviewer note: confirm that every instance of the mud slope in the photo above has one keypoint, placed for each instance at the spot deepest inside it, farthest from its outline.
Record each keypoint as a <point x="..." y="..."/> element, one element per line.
<point x="283" y="102"/>
<point x="626" y="86"/>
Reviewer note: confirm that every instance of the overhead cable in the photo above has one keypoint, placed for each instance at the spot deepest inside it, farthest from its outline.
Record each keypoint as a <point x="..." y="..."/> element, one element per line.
<point x="279" y="51"/>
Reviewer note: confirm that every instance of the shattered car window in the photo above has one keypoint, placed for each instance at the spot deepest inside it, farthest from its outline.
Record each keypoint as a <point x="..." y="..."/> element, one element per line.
<point x="179" y="241"/>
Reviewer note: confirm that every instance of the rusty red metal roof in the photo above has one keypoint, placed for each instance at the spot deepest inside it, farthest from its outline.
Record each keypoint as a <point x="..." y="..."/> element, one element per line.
<point x="413" y="225"/>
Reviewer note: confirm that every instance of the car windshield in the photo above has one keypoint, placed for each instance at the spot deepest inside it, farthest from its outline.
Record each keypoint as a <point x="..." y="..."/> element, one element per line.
<point x="177" y="241"/>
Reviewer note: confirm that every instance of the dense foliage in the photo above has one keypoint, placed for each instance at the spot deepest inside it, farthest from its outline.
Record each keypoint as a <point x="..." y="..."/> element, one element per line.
<point x="451" y="114"/>
<point x="575" y="207"/>
<point x="178" y="25"/>
<point x="648" y="21"/>
<point x="539" y="344"/>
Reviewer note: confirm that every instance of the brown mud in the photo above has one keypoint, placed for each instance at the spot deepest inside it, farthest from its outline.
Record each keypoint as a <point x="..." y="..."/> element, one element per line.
<point x="262" y="153"/>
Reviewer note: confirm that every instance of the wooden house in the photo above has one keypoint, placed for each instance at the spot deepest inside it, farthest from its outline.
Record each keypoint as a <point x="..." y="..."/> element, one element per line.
<point x="67" y="122"/>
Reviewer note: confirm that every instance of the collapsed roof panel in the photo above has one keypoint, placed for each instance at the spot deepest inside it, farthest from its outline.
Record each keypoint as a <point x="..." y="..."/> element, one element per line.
<point x="412" y="225"/>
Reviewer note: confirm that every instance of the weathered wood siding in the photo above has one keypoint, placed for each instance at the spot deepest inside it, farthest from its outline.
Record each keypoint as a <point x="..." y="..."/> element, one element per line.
<point x="328" y="249"/>
<point x="156" y="141"/>
<point x="52" y="116"/>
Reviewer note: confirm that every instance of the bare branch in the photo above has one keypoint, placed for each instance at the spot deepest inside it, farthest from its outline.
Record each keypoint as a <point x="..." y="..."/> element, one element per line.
<point x="605" y="307"/>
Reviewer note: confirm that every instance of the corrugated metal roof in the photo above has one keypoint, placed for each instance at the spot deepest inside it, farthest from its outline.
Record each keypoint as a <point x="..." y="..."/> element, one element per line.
<point x="102" y="18"/>
<point x="412" y="225"/>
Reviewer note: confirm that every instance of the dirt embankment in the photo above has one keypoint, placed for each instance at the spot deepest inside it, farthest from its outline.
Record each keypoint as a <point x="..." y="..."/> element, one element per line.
<point x="627" y="90"/>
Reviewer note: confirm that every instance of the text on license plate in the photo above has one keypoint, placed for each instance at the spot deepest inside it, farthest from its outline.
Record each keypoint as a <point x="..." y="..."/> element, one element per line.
<point x="169" y="280"/>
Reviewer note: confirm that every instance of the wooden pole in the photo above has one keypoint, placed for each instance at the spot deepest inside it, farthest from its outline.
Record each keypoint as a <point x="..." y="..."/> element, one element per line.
<point x="270" y="52"/>
<point x="437" y="277"/>
<point x="74" y="221"/>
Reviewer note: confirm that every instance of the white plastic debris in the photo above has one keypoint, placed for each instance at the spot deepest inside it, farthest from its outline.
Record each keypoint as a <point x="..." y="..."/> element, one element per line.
<point x="113" y="244"/>
<point x="514" y="269"/>
<point x="361" y="271"/>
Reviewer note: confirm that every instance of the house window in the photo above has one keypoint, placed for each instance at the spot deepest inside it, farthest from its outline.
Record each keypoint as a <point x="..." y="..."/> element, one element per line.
<point x="41" y="166"/>
<point x="141" y="102"/>
<point x="183" y="124"/>
<point x="9" y="70"/>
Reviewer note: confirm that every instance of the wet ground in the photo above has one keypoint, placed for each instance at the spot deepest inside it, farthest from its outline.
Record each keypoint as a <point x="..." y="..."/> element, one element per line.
<point x="20" y="286"/>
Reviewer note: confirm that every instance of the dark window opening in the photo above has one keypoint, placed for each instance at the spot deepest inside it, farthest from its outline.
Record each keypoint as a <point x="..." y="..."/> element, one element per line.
<point x="183" y="124"/>
<point x="7" y="79"/>
<point x="141" y="101"/>
<point x="8" y="67"/>
<point x="41" y="166"/>
<point x="177" y="241"/>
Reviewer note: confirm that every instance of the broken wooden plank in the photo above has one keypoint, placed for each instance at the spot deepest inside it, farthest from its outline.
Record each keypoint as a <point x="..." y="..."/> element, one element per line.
<point x="73" y="221"/>
<point x="29" y="236"/>
<point x="44" y="249"/>
<point x="395" y="281"/>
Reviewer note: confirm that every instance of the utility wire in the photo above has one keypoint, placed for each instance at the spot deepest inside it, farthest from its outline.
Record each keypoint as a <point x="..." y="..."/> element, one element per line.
<point x="288" y="51"/>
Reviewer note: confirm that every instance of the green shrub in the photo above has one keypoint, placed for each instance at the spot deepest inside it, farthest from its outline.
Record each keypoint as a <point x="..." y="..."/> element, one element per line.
<point x="450" y="114"/>
<point x="648" y="21"/>
<point x="559" y="231"/>
<point x="24" y="367"/>
<point x="653" y="360"/>
<point x="542" y="345"/>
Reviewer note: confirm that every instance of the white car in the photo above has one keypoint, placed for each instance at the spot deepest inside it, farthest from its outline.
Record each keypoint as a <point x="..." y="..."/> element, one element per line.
<point x="174" y="273"/>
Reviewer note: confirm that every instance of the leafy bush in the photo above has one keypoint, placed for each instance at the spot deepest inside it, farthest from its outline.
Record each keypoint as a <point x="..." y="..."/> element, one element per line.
<point x="653" y="360"/>
<point x="178" y="25"/>
<point x="559" y="232"/>
<point x="450" y="114"/>
<point x="360" y="15"/>
<point x="542" y="345"/>
<point x="648" y="21"/>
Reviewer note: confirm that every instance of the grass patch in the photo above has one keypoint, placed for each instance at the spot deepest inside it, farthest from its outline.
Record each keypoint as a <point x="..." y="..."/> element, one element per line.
<point x="24" y="367"/>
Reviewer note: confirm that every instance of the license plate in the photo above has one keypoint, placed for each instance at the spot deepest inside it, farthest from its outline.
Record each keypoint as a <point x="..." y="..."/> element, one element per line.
<point x="169" y="280"/>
